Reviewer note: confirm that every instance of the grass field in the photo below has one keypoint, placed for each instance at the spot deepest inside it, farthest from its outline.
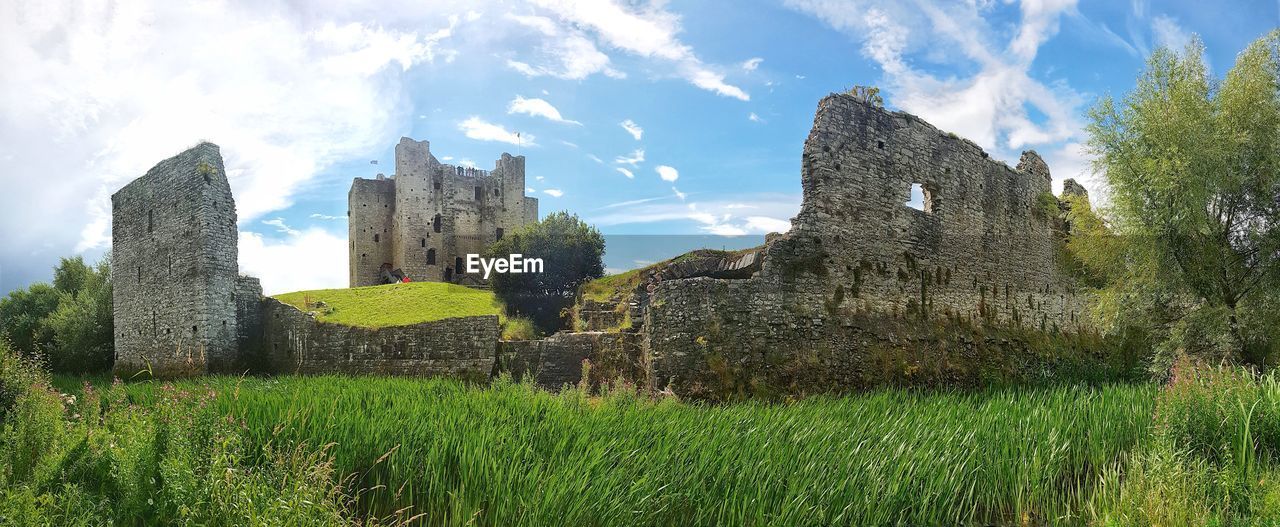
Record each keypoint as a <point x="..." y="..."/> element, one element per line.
<point x="1199" y="451"/>
<point x="394" y="304"/>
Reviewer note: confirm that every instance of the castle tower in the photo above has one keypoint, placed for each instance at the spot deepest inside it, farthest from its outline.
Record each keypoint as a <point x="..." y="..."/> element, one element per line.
<point x="174" y="269"/>
<point x="429" y="216"/>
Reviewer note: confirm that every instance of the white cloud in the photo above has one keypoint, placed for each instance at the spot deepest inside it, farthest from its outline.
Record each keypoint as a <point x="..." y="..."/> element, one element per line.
<point x="625" y="172"/>
<point x="480" y="129"/>
<point x="751" y="64"/>
<point x="555" y="193"/>
<point x="632" y="128"/>
<point x="312" y="259"/>
<point x="990" y="105"/>
<point x="667" y="173"/>
<point x="319" y="216"/>
<point x="595" y="158"/>
<point x="767" y="224"/>
<point x="569" y="143"/>
<point x="1169" y="34"/>
<point x="715" y="216"/>
<point x="565" y="51"/>
<point x="284" y="95"/>
<point x="754" y="118"/>
<point x="635" y="158"/>
<point x="529" y="190"/>
<point x="648" y="31"/>
<point x="280" y="226"/>
<point x="537" y="108"/>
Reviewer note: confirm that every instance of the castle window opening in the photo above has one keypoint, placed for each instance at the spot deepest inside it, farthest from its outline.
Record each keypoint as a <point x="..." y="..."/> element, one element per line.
<point x="436" y="185"/>
<point x="457" y="264"/>
<point x="478" y="193"/>
<point x="431" y="256"/>
<point x="495" y="192"/>
<point x="498" y="234"/>
<point x="193" y="331"/>
<point x="377" y="238"/>
<point x="423" y="242"/>
<point x="139" y="274"/>
<point x="151" y="221"/>
<point x="924" y="198"/>
<point x="915" y="199"/>
<point x="435" y="223"/>
<point x="207" y="180"/>
<point x="880" y="145"/>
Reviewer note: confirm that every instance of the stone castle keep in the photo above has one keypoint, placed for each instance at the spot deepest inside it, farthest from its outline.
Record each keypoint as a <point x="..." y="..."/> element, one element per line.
<point x="180" y="304"/>
<point x="423" y="221"/>
<point x="859" y="292"/>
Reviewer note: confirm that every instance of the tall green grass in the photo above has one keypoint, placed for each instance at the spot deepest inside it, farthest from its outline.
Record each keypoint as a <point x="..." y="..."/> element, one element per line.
<point x="510" y="454"/>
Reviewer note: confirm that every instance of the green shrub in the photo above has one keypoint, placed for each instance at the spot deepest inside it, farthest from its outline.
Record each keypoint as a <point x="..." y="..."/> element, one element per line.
<point x="519" y="328"/>
<point x="17" y="375"/>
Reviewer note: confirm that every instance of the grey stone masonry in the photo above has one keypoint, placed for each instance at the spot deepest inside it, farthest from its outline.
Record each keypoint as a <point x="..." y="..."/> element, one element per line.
<point x="174" y="267"/>
<point x="429" y="215"/>
<point x="295" y="342"/>
<point x="982" y="250"/>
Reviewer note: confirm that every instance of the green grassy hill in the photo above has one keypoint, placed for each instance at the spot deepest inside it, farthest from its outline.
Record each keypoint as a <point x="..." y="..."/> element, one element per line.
<point x="394" y="304"/>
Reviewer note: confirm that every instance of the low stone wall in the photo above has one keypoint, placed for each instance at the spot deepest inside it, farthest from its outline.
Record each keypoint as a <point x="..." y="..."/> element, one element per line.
<point x="717" y="339"/>
<point x="557" y="360"/>
<point x="294" y="342"/>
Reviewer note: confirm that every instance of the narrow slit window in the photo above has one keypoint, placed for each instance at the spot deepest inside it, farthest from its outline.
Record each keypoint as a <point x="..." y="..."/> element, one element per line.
<point x="431" y="256"/>
<point x="435" y="223"/>
<point x="457" y="264"/>
<point x="478" y="193"/>
<point x="498" y="234"/>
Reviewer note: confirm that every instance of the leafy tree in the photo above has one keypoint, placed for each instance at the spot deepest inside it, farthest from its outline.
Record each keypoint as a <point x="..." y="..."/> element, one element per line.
<point x="70" y="274"/>
<point x="22" y="315"/>
<point x="69" y="324"/>
<point x="571" y="251"/>
<point x="1190" y="243"/>
<point x="82" y="326"/>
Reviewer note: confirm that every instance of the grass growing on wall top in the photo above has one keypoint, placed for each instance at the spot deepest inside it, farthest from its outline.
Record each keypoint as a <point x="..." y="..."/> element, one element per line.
<point x="394" y="304"/>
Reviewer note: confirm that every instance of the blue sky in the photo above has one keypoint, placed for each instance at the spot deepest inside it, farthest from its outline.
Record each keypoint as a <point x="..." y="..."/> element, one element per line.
<point x="716" y="97"/>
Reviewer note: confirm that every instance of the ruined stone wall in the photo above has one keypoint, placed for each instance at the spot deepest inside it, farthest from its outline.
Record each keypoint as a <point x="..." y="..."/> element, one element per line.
<point x="983" y="247"/>
<point x="248" y="298"/>
<point x="983" y="252"/>
<point x="436" y="209"/>
<point x="369" y="229"/>
<point x="295" y="342"/>
<point x="174" y="267"/>
<point x="558" y="360"/>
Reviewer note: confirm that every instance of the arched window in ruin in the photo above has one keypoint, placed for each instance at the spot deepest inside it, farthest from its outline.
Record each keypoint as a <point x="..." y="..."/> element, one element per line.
<point x="435" y="223"/>
<point x="495" y="192"/>
<point x="431" y="256"/>
<point x="423" y="242"/>
<point x="376" y="238"/>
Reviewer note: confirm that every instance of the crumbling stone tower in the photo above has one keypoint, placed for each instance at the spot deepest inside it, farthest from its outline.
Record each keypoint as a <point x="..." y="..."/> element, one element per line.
<point x="174" y="269"/>
<point x="425" y="219"/>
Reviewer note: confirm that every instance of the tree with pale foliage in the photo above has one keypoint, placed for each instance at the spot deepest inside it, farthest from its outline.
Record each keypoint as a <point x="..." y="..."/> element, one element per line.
<point x="1190" y="242"/>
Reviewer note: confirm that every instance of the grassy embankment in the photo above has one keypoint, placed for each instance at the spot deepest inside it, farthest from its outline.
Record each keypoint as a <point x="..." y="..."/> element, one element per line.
<point x="394" y="304"/>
